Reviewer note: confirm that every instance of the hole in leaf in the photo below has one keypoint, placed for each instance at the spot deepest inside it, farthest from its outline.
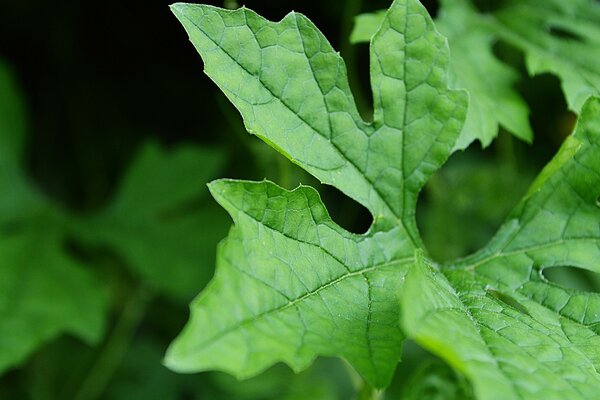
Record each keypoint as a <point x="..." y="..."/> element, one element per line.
<point x="550" y="117"/>
<point x="509" y="54"/>
<point x="507" y="299"/>
<point x="563" y="33"/>
<point x="358" y="66"/>
<point x="422" y="375"/>
<point x="346" y="212"/>
<point x="465" y="202"/>
<point x="275" y="167"/>
<point x="573" y="278"/>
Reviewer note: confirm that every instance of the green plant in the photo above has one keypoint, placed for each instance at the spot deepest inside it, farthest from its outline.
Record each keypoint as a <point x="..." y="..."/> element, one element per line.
<point x="291" y="284"/>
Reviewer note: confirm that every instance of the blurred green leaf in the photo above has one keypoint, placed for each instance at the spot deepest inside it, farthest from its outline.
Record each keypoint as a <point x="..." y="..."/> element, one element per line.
<point x="159" y="221"/>
<point x="17" y="197"/>
<point x="494" y="101"/>
<point x="12" y="121"/>
<point x="44" y="291"/>
<point x="142" y="376"/>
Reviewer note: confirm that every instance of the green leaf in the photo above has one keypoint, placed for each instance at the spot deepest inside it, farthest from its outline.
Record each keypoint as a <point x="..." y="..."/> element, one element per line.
<point x="159" y="221"/>
<point x="294" y="284"/>
<point x="473" y="66"/>
<point x="558" y="37"/>
<point x="43" y="291"/>
<point x="494" y="317"/>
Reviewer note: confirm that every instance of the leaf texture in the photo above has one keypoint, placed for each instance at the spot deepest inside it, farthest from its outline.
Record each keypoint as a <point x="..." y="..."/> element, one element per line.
<point x="299" y="285"/>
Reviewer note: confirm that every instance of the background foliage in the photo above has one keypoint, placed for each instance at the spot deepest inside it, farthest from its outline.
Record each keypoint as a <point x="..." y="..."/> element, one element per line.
<point x="109" y="132"/>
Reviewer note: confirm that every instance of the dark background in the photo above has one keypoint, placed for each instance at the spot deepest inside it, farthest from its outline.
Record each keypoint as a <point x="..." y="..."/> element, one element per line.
<point x="100" y="76"/>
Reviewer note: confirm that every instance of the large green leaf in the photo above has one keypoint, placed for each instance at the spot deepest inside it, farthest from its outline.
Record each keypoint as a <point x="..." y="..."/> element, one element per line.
<point x="290" y="283"/>
<point x="495" y="317"/>
<point x="43" y="290"/>
<point x="159" y="222"/>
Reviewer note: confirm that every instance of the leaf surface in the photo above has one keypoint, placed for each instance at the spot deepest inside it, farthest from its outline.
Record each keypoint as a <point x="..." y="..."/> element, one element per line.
<point x="297" y="285"/>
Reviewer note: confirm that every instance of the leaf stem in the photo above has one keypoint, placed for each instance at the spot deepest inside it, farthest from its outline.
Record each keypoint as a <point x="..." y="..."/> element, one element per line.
<point x="115" y="347"/>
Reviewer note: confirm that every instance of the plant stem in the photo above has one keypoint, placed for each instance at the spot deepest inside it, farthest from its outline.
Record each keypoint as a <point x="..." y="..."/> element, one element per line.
<point x="115" y="348"/>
